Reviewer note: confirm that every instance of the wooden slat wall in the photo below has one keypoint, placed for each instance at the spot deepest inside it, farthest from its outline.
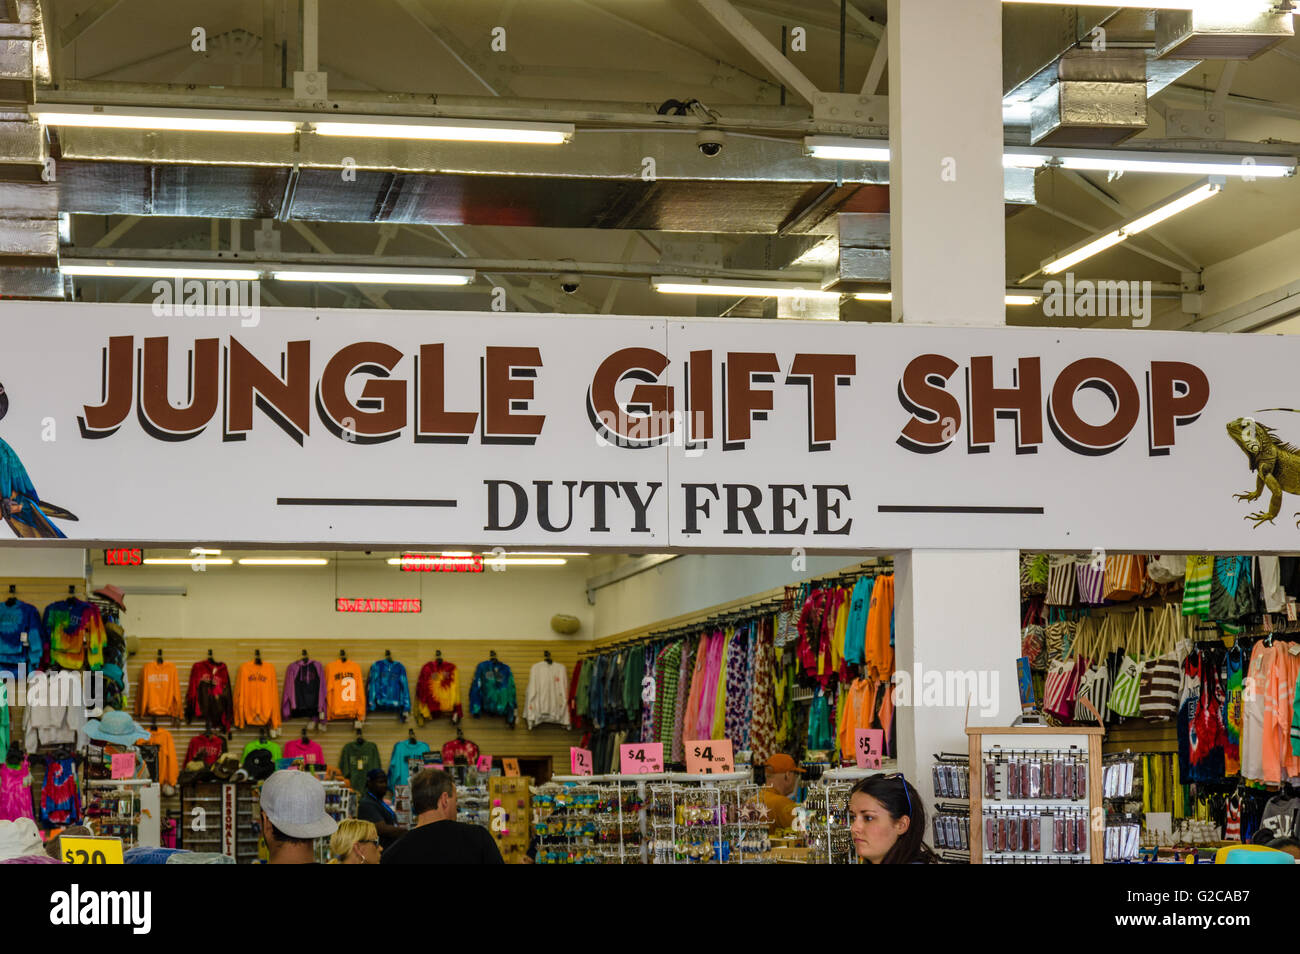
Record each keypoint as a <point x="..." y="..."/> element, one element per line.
<point x="1142" y="737"/>
<point x="490" y="733"/>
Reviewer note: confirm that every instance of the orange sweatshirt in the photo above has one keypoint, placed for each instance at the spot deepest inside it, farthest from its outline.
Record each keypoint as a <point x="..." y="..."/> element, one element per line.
<point x="168" y="768"/>
<point x="160" y="690"/>
<point x="257" y="700"/>
<point x="345" y="692"/>
<point x="879" y="655"/>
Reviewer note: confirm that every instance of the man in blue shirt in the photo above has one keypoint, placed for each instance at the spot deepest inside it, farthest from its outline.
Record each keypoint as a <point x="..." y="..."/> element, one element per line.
<point x="373" y="808"/>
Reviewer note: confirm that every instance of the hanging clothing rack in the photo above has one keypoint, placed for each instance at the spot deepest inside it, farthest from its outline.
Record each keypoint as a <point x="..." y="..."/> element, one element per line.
<point x="755" y="609"/>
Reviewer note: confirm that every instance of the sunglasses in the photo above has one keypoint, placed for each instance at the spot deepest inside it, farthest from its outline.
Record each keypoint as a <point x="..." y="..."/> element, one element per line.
<point x="906" y="793"/>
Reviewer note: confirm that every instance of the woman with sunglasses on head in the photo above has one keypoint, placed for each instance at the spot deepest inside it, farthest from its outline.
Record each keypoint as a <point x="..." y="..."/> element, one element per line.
<point x="887" y="821"/>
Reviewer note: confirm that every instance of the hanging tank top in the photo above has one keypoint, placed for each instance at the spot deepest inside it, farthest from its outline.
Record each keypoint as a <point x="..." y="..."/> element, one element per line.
<point x="15" y="793"/>
<point x="1232" y="819"/>
<point x="60" y="797"/>
<point x="1234" y="665"/>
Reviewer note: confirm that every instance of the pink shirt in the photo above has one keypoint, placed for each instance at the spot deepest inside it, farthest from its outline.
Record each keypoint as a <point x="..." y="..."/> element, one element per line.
<point x="309" y="752"/>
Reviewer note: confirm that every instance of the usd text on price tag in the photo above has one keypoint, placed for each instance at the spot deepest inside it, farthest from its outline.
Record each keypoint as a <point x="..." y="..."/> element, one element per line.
<point x="709" y="757"/>
<point x="91" y="851"/>
<point x="580" y="761"/>
<point x="867" y="746"/>
<point x="639" y="758"/>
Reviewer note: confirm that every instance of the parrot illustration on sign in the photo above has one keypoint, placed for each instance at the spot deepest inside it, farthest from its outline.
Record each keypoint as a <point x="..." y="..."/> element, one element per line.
<point x="21" y="507"/>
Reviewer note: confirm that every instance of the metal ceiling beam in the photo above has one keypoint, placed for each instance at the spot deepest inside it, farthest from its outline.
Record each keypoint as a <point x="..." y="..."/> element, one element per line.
<point x="731" y="20"/>
<point x="1112" y="203"/>
<point x="316" y="242"/>
<point x="486" y="267"/>
<point x="109" y="238"/>
<point x="85" y="20"/>
<point x="1253" y="315"/>
<point x="877" y="69"/>
<point x="763" y="83"/>
<point x="471" y="62"/>
<point x="1131" y="245"/>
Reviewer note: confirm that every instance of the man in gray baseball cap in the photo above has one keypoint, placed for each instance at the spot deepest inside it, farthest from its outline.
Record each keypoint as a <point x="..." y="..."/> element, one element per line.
<point x="293" y="817"/>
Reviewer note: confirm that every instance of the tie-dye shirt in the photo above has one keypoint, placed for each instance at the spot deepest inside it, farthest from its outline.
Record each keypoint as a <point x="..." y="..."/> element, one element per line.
<point x="76" y="636"/>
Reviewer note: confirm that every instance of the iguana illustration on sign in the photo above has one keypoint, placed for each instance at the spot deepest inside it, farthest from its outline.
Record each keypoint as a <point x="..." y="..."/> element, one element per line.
<point x="27" y="515"/>
<point x="1276" y="463"/>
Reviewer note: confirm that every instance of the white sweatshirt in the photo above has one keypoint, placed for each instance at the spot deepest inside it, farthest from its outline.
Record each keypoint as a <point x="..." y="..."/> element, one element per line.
<point x="547" y="698"/>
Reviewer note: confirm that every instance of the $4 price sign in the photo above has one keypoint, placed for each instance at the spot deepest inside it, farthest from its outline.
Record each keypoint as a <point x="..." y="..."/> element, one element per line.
<point x="709" y="756"/>
<point x="580" y="761"/>
<point x="867" y="745"/>
<point x="639" y="758"/>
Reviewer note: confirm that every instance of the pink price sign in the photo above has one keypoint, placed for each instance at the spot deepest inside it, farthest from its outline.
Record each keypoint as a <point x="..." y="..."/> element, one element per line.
<point x="580" y="760"/>
<point x="638" y="758"/>
<point x="122" y="765"/>
<point x="485" y="764"/>
<point x="709" y="757"/>
<point x="868" y="745"/>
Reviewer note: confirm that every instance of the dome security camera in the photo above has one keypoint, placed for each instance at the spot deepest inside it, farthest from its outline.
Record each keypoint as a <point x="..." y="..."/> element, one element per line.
<point x="570" y="283"/>
<point x="710" y="141"/>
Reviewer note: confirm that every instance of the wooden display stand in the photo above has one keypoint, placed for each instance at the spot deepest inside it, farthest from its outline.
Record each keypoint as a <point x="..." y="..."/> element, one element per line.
<point x="1085" y="738"/>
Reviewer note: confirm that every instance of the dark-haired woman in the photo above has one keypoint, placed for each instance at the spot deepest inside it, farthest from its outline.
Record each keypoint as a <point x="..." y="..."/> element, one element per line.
<point x="887" y="820"/>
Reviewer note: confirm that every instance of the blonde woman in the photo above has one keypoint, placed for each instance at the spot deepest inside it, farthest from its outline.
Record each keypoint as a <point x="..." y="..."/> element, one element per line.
<point x="355" y="843"/>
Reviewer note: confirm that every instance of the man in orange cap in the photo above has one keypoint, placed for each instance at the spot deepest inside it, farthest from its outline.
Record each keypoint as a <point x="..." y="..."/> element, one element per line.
<point x="782" y="778"/>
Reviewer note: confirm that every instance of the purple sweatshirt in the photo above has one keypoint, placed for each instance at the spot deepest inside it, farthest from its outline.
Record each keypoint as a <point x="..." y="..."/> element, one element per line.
<point x="304" y="690"/>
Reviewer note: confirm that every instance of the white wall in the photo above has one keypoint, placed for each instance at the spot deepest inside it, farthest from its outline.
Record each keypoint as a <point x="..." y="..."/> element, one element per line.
<point x="22" y="560"/>
<point x="694" y="582"/>
<point x="269" y="602"/>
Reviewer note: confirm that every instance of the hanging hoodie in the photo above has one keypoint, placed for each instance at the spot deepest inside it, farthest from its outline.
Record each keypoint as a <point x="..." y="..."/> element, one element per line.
<point x="304" y="691"/>
<point x="545" y="700"/>
<point x="437" y="691"/>
<point x="345" y="692"/>
<point x="160" y="691"/>
<point x="492" y="691"/>
<point x="76" y="635"/>
<point x="257" y="695"/>
<point x="387" y="689"/>
<point x="22" y="637"/>
<point x="209" y="695"/>
<point x="168" y="768"/>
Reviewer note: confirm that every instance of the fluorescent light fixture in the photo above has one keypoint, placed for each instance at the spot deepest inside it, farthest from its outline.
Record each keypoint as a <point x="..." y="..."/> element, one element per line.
<point x="1085" y="251"/>
<point x="459" y="130"/>
<point x="520" y="553"/>
<point x="187" y="561"/>
<point x="119" y="269"/>
<point x="1174" y="163"/>
<point x="488" y="560"/>
<point x="1178" y="202"/>
<point x="842" y="147"/>
<point x="745" y="289"/>
<point x="1158" y="215"/>
<point x="1142" y="4"/>
<point x="291" y="561"/>
<point x="181" y="120"/>
<point x="200" y="550"/>
<point x="457" y="553"/>
<point x="375" y="276"/>
<point x="1020" y="299"/>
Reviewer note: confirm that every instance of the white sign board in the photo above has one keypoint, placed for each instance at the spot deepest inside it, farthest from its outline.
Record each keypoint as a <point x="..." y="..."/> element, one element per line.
<point x="416" y="429"/>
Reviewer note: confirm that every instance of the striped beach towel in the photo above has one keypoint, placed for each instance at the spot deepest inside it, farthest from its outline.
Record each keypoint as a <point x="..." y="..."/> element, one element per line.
<point x="1091" y="578"/>
<point x="1196" y="587"/>
<point x="1061" y="581"/>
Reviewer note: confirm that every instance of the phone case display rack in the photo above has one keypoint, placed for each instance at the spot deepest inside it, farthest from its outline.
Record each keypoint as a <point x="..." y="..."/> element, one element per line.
<point x="952" y="807"/>
<point x="129" y="809"/>
<point x="1122" y="783"/>
<point x="1034" y="791"/>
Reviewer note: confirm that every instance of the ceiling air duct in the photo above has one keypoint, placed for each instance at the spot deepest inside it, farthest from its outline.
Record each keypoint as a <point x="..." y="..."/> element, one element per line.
<point x="1098" y="99"/>
<point x="1227" y="31"/>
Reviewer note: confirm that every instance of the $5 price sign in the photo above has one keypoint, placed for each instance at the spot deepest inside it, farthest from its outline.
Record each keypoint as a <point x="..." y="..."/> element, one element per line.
<point x="867" y="746"/>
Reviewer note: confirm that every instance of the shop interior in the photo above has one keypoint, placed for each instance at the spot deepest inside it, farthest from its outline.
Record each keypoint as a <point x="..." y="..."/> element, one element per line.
<point x="1161" y="689"/>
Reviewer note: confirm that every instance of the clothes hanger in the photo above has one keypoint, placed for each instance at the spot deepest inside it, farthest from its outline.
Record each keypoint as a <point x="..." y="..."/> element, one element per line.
<point x="547" y="656"/>
<point x="388" y="655"/>
<point x="305" y="657"/>
<point x="210" y="659"/>
<point x="304" y="734"/>
<point x="437" y="654"/>
<point x="261" y="733"/>
<point x="12" y="598"/>
<point x="410" y="734"/>
<point x="257" y="656"/>
<point x="343" y="655"/>
<point x="360" y="737"/>
<point x="492" y="655"/>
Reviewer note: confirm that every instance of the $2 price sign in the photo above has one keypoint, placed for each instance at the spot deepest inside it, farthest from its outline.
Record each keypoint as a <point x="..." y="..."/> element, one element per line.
<point x="867" y="746"/>
<point x="580" y="760"/>
<point x="709" y="757"/>
<point x="639" y="758"/>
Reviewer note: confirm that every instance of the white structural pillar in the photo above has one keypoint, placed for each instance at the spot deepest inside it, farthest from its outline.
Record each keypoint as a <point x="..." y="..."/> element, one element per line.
<point x="957" y="611"/>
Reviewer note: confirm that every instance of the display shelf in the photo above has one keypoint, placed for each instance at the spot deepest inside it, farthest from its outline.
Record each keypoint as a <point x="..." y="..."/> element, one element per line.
<point x="1014" y="810"/>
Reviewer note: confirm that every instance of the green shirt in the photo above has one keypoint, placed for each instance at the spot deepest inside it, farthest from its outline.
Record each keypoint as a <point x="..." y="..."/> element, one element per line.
<point x="356" y="760"/>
